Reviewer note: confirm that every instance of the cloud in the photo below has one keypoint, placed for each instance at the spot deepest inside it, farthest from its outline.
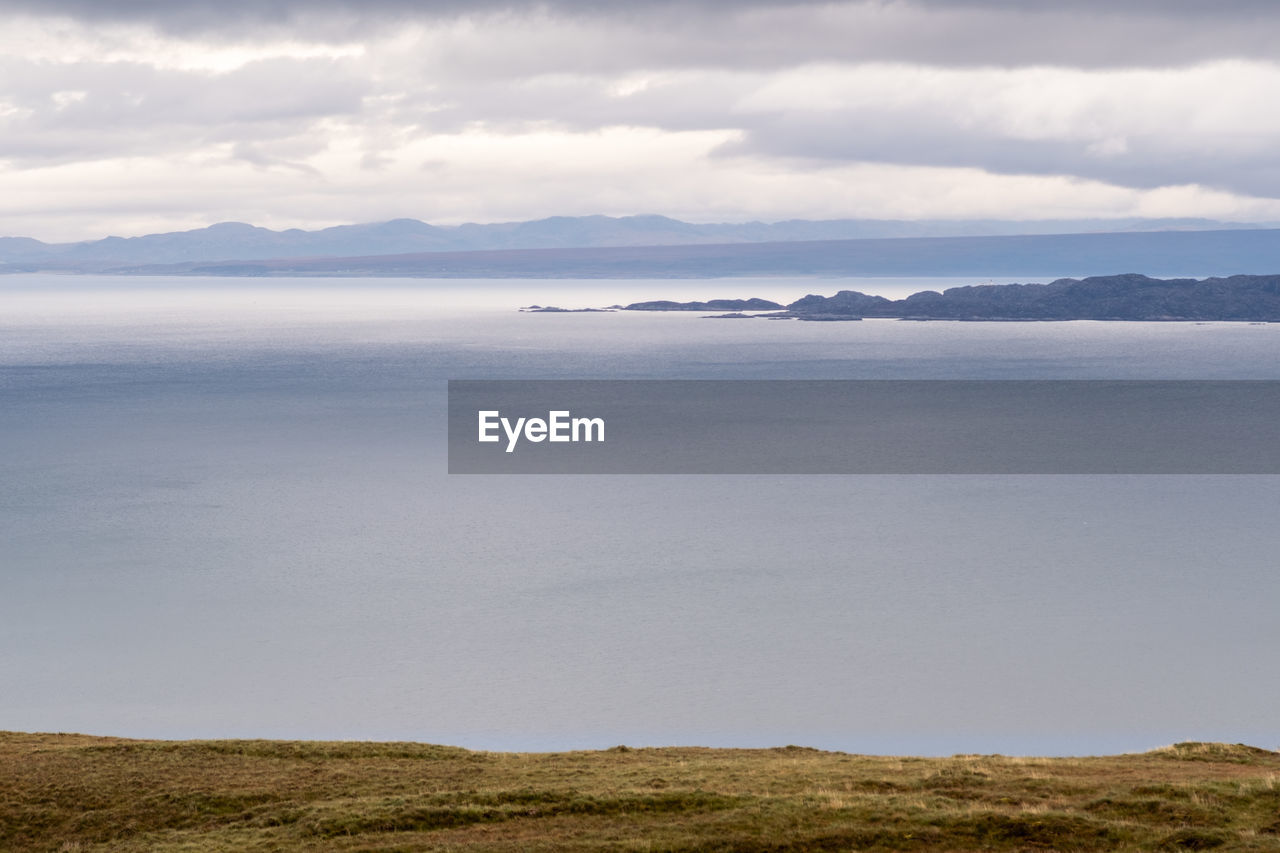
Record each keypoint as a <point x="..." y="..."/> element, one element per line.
<point x="731" y="33"/>
<point x="1179" y="8"/>
<point x="341" y="19"/>
<point x="60" y="112"/>
<point x="333" y="111"/>
<point x="1209" y="124"/>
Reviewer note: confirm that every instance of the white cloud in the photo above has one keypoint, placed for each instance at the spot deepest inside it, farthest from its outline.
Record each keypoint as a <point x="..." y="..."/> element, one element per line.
<point x="480" y="176"/>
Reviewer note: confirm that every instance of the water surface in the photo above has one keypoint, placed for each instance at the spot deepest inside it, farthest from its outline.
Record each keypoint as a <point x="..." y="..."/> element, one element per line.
<point x="224" y="513"/>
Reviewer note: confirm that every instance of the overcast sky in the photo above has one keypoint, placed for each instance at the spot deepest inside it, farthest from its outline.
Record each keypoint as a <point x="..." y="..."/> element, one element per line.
<point x="137" y="116"/>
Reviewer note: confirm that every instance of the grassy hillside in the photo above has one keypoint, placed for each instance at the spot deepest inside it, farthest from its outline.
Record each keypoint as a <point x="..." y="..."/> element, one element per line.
<point x="78" y="793"/>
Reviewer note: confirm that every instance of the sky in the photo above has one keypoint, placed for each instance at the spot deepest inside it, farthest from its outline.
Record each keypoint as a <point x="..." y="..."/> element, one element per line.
<point x="129" y="117"/>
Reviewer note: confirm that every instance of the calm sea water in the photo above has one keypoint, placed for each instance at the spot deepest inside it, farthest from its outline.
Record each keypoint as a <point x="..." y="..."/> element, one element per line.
<point x="224" y="512"/>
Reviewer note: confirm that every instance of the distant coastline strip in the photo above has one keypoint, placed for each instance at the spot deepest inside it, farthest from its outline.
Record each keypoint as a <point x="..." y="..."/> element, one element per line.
<point x="1244" y="298"/>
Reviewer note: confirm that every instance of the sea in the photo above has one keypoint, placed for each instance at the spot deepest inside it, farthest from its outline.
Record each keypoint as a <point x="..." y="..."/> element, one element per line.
<point x="226" y="512"/>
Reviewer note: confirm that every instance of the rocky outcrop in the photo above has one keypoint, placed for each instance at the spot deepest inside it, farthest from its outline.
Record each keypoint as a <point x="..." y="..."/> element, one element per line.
<point x="1116" y="297"/>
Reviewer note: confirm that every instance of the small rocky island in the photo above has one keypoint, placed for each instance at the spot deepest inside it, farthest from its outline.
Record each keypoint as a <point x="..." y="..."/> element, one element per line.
<point x="1131" y="296"/>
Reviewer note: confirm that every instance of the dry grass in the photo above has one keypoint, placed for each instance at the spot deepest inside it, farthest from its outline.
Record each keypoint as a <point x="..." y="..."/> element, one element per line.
<point x="81" y="794"/>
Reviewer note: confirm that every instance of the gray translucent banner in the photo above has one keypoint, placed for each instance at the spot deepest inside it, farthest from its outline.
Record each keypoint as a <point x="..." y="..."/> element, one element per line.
<point x="863" y="427"/>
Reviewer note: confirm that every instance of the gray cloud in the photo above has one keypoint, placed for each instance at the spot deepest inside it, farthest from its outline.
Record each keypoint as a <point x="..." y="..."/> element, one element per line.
<point x="1215" y="8"/>
<point x="1142" y="162"/>
<point x="750" y="34"/>
<point x="158" y="11"/>
<point x="63" y="112"/>
<point x="339" y="19"/>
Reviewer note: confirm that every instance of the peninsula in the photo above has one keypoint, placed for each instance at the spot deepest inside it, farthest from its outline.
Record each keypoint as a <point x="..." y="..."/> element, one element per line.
<point x="1130" y="296"/>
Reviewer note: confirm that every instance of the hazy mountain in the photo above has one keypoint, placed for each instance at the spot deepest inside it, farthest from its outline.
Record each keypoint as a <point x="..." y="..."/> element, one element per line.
<point x="1157" y="253"/>
<point x="240" y="242"/>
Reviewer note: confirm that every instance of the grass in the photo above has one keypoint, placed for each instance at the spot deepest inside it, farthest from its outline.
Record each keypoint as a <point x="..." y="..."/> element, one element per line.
<point x="75" y="794"/>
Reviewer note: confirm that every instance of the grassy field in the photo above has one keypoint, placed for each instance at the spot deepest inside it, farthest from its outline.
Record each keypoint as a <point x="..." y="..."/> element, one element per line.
<point x="77" y="793"/>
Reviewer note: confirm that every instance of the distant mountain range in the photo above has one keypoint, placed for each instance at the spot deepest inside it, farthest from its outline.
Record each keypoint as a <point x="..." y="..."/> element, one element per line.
<point x="495" y="249"/>
<point x="1168" y="253"/>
